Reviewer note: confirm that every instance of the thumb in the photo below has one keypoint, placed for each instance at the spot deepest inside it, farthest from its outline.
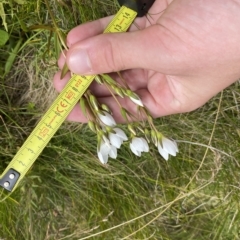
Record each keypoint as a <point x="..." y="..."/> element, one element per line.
<point x="111" y="52"/>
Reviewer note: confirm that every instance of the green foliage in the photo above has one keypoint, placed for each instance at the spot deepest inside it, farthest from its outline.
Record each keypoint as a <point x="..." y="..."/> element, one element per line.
<point x="68" y="194"/>
<point x="12" y="56"/>
<point x="3" y="37"/>
<point x="3" y="15"/>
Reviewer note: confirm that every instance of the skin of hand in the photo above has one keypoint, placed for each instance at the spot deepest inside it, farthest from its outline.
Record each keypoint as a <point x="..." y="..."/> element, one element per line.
<point x="176" y="60"/>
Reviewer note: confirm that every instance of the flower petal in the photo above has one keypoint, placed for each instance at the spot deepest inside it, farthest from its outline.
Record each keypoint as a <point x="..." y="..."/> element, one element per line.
<point x="102" y="157"/>
<point x="169" y="146"/>
<point x="174" y="142"/>
<point x="145" y="145"/>
<point x="104" y="148"/>
<point x="113" y="152"/>
<point x="134" y="150"/>
<point x="105" y="140"/>
<point x="121" y="134"/>
<point x="137" y="101"/>
<point x="162" y="152"/>
<point x="115" y="140"/>
<point x="137" y="143"/>
<point x="107" y="119"/>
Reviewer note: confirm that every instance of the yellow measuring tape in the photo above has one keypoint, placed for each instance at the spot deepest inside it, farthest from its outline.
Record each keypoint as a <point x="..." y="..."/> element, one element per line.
<point x="57" y="113"/>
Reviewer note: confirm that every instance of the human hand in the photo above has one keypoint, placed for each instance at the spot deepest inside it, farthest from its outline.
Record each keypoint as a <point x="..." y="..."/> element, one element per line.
<point x="188" y="53"/>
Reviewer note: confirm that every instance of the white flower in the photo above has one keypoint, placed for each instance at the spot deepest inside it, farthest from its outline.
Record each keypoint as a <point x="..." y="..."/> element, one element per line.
<point x="106" y="118"/>
<point x="167" y="147"/>
<point x="139" y="145"/>
<point x="106" y="150"/>
<point x="137" y="101"/>
<point x="117" y="138"/>
<point x="134" y="97"/>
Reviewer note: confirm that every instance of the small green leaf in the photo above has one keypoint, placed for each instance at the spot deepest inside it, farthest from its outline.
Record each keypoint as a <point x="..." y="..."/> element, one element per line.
<point x="83" y="104"/>
<point x="12" y="56"/>
<point x="23" y="25"/>
<point x="62" y="38"/>
<point x="3" y="16"/>
<point x="3" y="37"/>
<point x="64" y="71"/>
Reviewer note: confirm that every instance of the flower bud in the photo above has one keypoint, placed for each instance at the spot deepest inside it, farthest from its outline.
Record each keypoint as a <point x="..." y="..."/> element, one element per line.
<point x="128" y="92"/>
<point x="125" y="91"/>
<point x="106" y="108"/>
<point x="108" y="79"/>
<point x="118" y="91"/>
<point x="131" y="129"/>
<point x="92" y="126"/>
<point x="98" y="79"/>
<point x="134" y="97"/>
<point x="154" y="137"/>
<point x="94" y="102"/>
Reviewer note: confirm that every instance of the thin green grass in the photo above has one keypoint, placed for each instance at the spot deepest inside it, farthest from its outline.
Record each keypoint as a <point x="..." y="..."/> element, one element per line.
<point x="68" y="194"/>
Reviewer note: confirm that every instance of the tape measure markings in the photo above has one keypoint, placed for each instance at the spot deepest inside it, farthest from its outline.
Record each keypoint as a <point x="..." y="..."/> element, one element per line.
<point x="45" y="129"/>
<point x="57" y="113"/>
<point x="121" y="17"/>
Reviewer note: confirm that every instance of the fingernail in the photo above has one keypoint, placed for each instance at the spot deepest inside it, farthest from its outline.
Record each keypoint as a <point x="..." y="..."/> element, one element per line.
<point x="79" y="62"/>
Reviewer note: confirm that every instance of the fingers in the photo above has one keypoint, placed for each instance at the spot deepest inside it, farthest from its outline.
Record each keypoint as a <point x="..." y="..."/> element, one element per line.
<point x="82" y="63"/>
<point x="97" y="27"/>
<point x="135" y="79"/>
<point x="160" y="104"/>
<point x="119" y="51"/>
<point x="156" y="109"/>
<point x="59" y="83"/>
<point x="91" y="29"/>
<point x="92" y="52"/>
<point x="77" y="115"/>
<point x="87" y="30"/>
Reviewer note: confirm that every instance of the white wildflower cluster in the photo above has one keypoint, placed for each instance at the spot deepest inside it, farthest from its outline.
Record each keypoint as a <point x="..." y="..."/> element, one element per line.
<point x="108" y="146"/>
<point x="110" y="138"/>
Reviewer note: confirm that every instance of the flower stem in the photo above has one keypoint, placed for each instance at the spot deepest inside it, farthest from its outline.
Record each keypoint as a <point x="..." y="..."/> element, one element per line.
<point x="110" y="90"/>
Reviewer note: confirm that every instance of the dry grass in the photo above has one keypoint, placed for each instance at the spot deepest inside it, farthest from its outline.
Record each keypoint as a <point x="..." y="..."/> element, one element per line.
<point x="68" y="194"/>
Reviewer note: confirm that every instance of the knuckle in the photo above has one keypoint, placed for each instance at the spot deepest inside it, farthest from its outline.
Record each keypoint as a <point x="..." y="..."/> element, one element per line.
<point x="113" y="58"/>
